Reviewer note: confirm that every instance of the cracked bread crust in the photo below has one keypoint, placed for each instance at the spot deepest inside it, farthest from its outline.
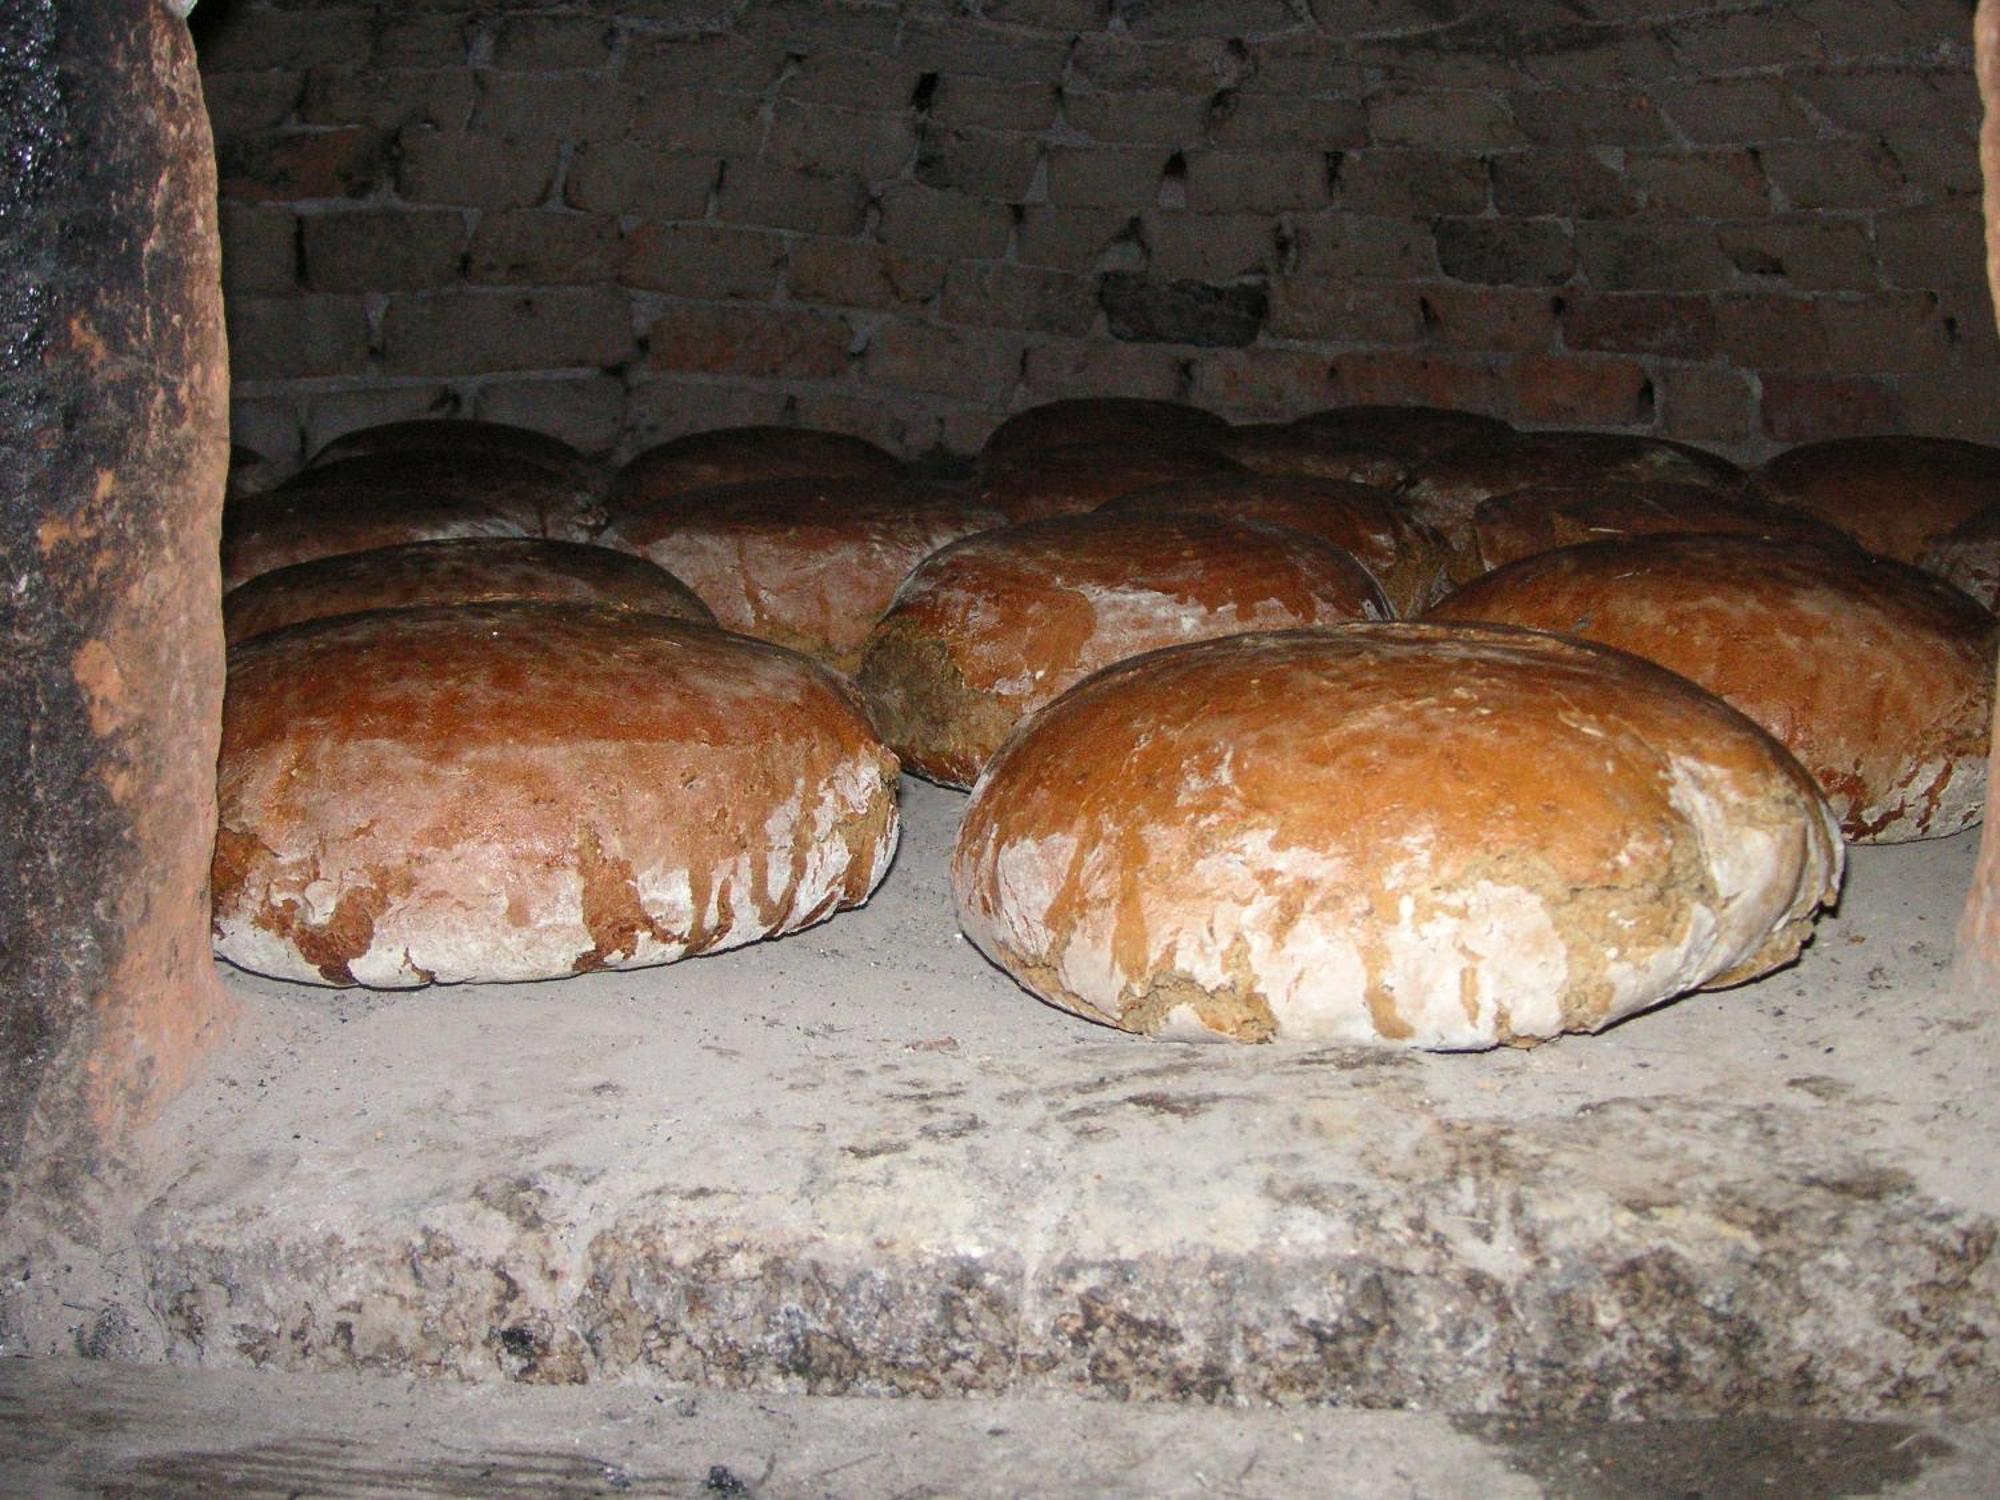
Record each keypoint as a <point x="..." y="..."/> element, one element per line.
<point x="994" y="626"/>
<point x="523" y="791"/>
<point x="1428" y="836"/>
<point x="1877" y="676"/>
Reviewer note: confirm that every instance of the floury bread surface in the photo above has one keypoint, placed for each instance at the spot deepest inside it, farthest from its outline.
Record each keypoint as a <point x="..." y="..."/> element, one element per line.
<point x="1877" y="676"/>
<point x="994" y="626"/>
<point x="505" y="792"/>
<point x="470" y="570"/>
<point x="1426" y="836"/>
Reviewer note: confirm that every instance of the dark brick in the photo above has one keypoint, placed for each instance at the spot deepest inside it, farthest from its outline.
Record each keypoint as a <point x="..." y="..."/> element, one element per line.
<point x="1407" y="183"/>
<point x="872" y="144"/>
<point x="292" y="338"/>
<point x="785" y="343"/>
<point x="1242" y="118"/>
<point x="1365" y="246"/>
<point x="586" y="411"/>
<point x="1263" y="384"/>
<point x="1569" y="184"/>
<point x="1105" y="176"/>
<point x="479" y="171"/>
<point x="1652" y="257"/>
<point x="1101" y="367"/>
<point x="637" y="177"/>
<point x="546" y="43"/>
<point x="1182" y="312"/>
<point x="241" y="102"/>
<point x="1506" y="252"/>
<point x="567" y="106"/>
<point x="923" y="221"/>
<point x="1932" y="247"/>
<point x="1736" y="111"/>
<point x="1700" y="184"/>
<point x="1443" y="119"/>
<point x="289" y="166"/>
<point x="1389" y="378"/>
<point x="1581" y="118"/>
<point x="1073" y="239"/>
<point x="989" y="104"/>
<point x="1834" y="174"/>
<point x="388" y="98"/>
<point x="661" y="64"/>
<point x="1004" y="296"/>
<point x="978" y="162"/>
<point x="1821" y="254"/>
<point x="254" y="38"/>
<point x="1208" y="247"/>
<point x="1484" y="319"/>
<point x="1810" y="408"/>
<point x="1682" y="327"/>
<point x="383" y="250"/>
<point x="260" y="250"/>
<point x="971" y="363"/>
<point x="696" y="120"/>
<point x="1150" y="19"/>
<point x="703" y="260"/>
<point x="860" y="273"/>
<point x="1581" y="391"/>
<point x="544" y="247"/>
<point x="1865" y="100"/>
<point x="420" y="40"/>
<point x="1276" y="181"/>
<point x="1890" y="333"/>
<point x="472" y="332"/>
<point x="1703" y="404"/>
<point x="1771" y="331"/>
<point x="776" y="198"/>
<point x="1330" y="310"/>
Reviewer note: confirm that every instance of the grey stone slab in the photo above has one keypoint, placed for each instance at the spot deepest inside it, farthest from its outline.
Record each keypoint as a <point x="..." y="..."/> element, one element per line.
<point x="860" y="1161"/>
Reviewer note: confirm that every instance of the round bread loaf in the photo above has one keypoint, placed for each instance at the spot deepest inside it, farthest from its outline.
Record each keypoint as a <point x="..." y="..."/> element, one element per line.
<point x="452" y="437"/>
<point x="1287" y="448"/>
<point x="1895" y="495"/>
<point x="523" y="791"/>
<point x="1070" y="481"/>
<point x="1878" y="677"/>
<point x="1968" y="556"/>
<point x="1410" y="834"/>
<point x="993" y="627"/>
<point x="739" y="455"/>
<point x="1447" y="490"/>
<point x="1526" y="522"/>
<point x="1415" y="434"/>
<point x="387" y="499"/>
<point x="807" y="563"/>
<point x="1103" y="421"/>
<point x="1406" y="557"/>
<point x="469" y="570"/>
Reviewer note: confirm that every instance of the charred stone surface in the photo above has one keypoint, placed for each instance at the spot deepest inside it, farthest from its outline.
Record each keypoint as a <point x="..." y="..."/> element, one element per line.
<point x="1978" y="960"/>
<point x="113" y="448"/>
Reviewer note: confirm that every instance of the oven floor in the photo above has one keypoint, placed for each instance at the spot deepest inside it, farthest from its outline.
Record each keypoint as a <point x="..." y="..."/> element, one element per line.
<point x="861" y="1161"/>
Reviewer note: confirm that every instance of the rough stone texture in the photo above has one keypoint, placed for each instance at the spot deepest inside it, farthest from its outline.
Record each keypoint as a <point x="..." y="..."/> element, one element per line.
<point x="1748" y="225"/>
<point x="113" y="451"/>
<point x="1978" y="963"/>
<point x="861" y="1160"/>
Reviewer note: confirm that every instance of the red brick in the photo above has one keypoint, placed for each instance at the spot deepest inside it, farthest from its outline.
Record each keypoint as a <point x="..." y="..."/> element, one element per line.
<point x="1810" y="408"/>
<point x="1770" y="331"/>
<point x="1408" y="184"/>
<point x="971" y="363"/>
<point x="850" y="76"/>
<point x="473" y="332"/>
<point x="1866" y="100"/>
<point x="860" y="273"/>
<point x="1444" y="119"/>
<point x="989" y="104"/>
<point x="1936" y="164"/>
<point x="290" y="338"/>
<point x="1260" y="119"/>
<point x="1736" y="111"/>
<point x="1399" y="249"/>
<point x="871" y="144"/>
<point x="703" y="260"/>
<point x="1484" y="319"/>
<point x="480" y="171"/>
<point x="404" y="40"/>
<point x="769" y="342"/>
<point x="1209" y="247"/>
<point x="260" y="249"/>
<point x="1808" y="255"/>
<point x="1889" y="333"/>
<point x="1505" y="252"/>
<point x="1171" y="119"/>
<point x="664" y="63"/>
<point x="923" y="221"/>
<point x="1703" y="404"/>
<point x="563" y="105"/>
<point x="1586" y="117"/>
<point x="1734" y="40"/>
<point x="1101" y="367"/>
<point x="241" y="102"/>
<point x="1581" y="391"/>
<point x="1105" y="176"/>
<point x="1700" y="184"/>
<point x="978" y="163"/>
<point x="1652" y="257"/>
<point x="383" y="250"/>
<point x="637" y="177"/>
<point x="693" y="119"/>
<point x="1967" y="315"/>
<point x="1279" y="181"/>
<point x="290" y="166"/>
<point x="1165" y="19"/>
<point x="1833" y="174"/>
<point x="1335" y="310"/>
<point x="1263" y="384"/>
<point x="1394" y="379"/>
<point x="1050" y="15"/>
<point x="1681" y="327"/>
<point x="1569" y="184"/>
<point x="1932" y="247"/>
<point x="1072" y="239"/>
<point x="1960" y="403"/>
<point x="530" y="247"/>
<point x="254" y="38"/>
<point x="537" y="44"/>
<point x="776" y="198"/>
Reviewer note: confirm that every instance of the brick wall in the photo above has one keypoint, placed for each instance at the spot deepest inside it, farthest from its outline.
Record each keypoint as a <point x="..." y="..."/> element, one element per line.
<point x="1742" y="224"/>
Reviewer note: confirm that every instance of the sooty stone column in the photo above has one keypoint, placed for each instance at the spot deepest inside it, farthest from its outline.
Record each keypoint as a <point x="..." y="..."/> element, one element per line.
<point x="113" y="448"/>
<point x="1979" y="934"/>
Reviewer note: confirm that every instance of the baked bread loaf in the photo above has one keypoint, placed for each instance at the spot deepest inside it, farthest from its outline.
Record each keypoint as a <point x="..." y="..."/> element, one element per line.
<point x="453" y="437"/>
<point x="384" y="500"/>
<point x="1447" y="490"/>
<point x="993" y="627"/>
<point x="1425" y="836"/>
<point x="1968" y="556"/>
<point x="1073" y="480"/>
<point x="1526" y="522"/>
<point x="1406" y="557"/>
<point x="1895" y="495"/>
<point x="1103" y="422"/>
<point x="808" y="563"/>
<point x="1287" y="448"/>
<point x="524" y="791"/>
<point x="1878" y="677"/>
<point x="470" y="570"/>
<point x="1415" y="434"/>
<point x="738" y="455"/>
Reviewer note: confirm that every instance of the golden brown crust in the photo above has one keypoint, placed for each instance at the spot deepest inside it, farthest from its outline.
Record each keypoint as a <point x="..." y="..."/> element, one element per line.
<point x="1416" y="434"/>
<point x="1876" y="676"/>
<point x="1407" y="558"/>
<point x="1895" y="495"/>
<point x="469" y="570"/>
<point x="1526" y="522"/>
<point x="1447" y="490"/>
<point x="994" y="626"/>
<point x="810" y="564"/>
<point x="1074" y="480"/>
<point x="1103" y="421"/>
<point x="384" y="500"/>
<point x="740" y="455"/>
<point x="1438" y="837"/>
<point x="1968" y="557"/>
<point x="1287" y="448"/>
<point x="451" y="437"/>
<point x="499" y="792"/>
